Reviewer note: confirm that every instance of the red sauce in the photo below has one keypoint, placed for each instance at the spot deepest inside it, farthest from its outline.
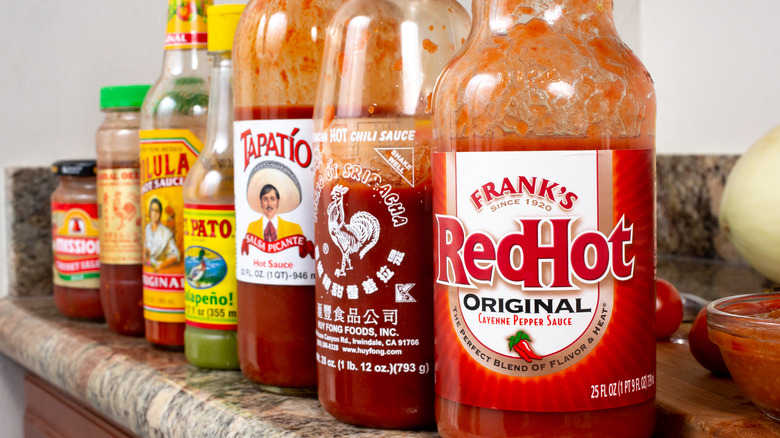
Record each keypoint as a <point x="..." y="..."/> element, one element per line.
<point x="632" y="314"/>
<point x="276" y="323"/>
<point x="78" y="302"/>
<point x="394" y="389"/>
<point x="165" y="335"/>
<point x="121" y="293"/>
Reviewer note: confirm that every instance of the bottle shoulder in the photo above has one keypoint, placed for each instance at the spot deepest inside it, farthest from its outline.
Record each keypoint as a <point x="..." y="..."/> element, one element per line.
<point x="545" y="83"/>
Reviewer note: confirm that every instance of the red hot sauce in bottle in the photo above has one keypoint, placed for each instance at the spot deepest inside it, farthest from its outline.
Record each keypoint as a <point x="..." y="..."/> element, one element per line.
<point x="543" y="169"/>
<point x="372" y="194"/>
<point x="276" y="56"/>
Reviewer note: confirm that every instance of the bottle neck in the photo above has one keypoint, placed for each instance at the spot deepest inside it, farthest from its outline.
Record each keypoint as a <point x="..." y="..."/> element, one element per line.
<point x="185" y="62"/>
<point x="501" y="15"/>
<point x="220" y="122"/>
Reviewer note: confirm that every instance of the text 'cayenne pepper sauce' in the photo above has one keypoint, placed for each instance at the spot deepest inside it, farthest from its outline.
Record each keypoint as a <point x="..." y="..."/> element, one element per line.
<point x="373" y="208"/>
<point x="173" y="128"/>
<point x="276" y="55"/>
<point x="544" y="227"/>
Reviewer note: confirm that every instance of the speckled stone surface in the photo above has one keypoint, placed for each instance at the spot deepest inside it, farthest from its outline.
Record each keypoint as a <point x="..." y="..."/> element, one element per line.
<point x="689" y="192"/>
<point x="28" y="191"/>
<point x="156" y="393"/>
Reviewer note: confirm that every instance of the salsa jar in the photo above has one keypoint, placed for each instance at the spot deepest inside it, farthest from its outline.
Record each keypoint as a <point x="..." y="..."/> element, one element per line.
<point x="75" y="243"/>
<point x="544" y="227"/>
<point x="119" y="208"/>
<point x="276" y="61"/>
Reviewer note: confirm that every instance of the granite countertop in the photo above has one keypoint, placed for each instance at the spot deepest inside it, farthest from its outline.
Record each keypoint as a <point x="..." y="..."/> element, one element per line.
<point x="156" y="393"/>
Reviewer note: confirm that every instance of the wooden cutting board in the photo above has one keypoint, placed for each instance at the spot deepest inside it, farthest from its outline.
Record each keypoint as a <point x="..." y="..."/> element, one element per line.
<point x="694" y="403"/>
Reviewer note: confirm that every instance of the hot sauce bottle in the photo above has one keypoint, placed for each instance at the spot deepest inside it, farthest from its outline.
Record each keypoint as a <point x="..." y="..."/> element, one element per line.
<point x="277" y="53"/>
<point x="119" y="209"/>
<point x="75" y="243"/>
<point x="543" y="168"/>
<point x="209" y="215"/>
<point x="173" y="128"/>
<point x="372" y="208"/>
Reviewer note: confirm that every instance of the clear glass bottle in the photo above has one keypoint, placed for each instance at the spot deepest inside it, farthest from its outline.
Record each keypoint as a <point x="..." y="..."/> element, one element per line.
<point x="373" y="191"/>
<point x="119" y="208"/>
<point x="75" y="244"/>
<point x="209" y="215"/>
<point x="544" y="206"/>
<point x="173" y="128"/>
<point x="277" y="54"/>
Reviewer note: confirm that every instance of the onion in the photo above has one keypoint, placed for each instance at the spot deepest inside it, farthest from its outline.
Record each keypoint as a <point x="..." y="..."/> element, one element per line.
<point x="750" y="206"/>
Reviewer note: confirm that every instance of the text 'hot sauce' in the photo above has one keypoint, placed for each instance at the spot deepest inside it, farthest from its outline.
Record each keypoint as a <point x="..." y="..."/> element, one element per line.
<point x="277" y="52"/>
<point x="544" y="227"/>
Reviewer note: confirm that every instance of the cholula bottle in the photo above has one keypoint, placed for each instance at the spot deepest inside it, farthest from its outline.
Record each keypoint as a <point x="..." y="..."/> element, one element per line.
<point x="209" y="215"/>
<point x="544" y="227"/>
<point x="373" y="208"/>
<point x="277" y="56"/>
<point x="173" y="128"/>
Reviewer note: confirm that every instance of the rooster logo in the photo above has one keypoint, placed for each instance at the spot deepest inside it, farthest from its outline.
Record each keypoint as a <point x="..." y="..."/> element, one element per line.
<point x="357" y="236"/>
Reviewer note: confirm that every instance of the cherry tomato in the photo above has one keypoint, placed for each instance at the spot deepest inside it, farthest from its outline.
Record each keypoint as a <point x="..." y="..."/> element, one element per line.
<point x="668" y="309"/>
<point x="702" y="348"/>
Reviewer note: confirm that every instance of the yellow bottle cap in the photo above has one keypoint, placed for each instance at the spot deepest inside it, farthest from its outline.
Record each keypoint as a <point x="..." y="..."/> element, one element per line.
<point x="223" y="20"/>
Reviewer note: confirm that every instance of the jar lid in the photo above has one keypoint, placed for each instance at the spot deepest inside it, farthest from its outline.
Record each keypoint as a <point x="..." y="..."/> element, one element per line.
<point x="123" y="96"/>
<point x="74" y="168"/>
<point x="223" y="20"/>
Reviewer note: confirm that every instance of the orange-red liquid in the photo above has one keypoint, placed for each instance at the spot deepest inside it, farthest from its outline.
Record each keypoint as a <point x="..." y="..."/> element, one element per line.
<point x="121" y="293"/>
<point x="78" y="302"/>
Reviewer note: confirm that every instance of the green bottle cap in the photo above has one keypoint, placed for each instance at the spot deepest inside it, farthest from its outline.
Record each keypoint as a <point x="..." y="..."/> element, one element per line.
<point x="123" y="96"/>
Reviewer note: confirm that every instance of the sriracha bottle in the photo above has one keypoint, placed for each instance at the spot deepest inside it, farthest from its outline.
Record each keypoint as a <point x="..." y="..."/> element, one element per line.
<point x="276" y="55"/>
<point x="544" y="229"/>
<point x="373" y="218"/>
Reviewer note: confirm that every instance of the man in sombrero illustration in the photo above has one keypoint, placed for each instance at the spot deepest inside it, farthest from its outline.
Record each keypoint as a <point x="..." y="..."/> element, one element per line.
<point x="273" y="189"/>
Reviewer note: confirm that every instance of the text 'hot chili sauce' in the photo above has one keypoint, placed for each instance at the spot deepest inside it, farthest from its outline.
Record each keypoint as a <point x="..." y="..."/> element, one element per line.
<point x="277" y="53"/>
<point x="544" y="227"/>
<point x="372" y="205"/>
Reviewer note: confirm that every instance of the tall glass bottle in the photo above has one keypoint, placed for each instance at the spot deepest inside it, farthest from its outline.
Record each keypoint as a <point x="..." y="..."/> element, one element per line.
<point x="277" y="56"/>
<point x="173" y="128"/>
<point x="544" y="228"/>
<point x="373" y="207"/>
<point x="209" y="215"/>
<point x="119" y="210"/>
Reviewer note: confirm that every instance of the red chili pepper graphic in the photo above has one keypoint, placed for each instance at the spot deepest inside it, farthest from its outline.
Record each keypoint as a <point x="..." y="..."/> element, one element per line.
<point x="519" y="343"/>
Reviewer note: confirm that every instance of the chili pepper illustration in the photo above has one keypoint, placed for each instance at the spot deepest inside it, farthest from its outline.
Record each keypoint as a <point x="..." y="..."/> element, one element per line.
<point x="519" y="343"/>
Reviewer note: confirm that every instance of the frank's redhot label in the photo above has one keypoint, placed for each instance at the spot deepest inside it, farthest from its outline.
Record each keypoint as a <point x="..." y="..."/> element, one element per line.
<point x="544" y="272"/>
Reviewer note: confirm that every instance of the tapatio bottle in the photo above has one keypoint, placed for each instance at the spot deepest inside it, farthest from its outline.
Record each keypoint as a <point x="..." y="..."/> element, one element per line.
<point x="276" y="55"/>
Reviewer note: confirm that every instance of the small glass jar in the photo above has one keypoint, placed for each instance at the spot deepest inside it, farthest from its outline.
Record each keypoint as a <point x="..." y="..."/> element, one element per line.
<point x="75" y="244"/>
<point x="119" y="208"/>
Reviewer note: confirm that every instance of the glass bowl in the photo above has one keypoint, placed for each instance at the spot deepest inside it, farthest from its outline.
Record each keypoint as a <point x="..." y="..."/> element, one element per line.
<point x="747" y="330"/>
